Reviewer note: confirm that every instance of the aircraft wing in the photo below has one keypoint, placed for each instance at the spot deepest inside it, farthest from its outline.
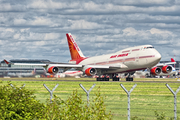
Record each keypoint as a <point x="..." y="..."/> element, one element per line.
<point x="52" y="68"/>
<point x="67" y="65"/>
<point x="60" y="65"/>
<point x="168" y="63"/>
<point x="163" y="64"/>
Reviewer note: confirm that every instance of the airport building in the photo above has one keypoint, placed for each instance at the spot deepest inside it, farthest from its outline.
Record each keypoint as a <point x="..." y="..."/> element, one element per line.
<point x="20" y="70"/>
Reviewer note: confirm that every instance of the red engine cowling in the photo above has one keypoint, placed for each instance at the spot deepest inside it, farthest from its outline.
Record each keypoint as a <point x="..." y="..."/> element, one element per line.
<point x="53" y="70"/>
<point x="90" y="71"/>
<point x="155" y="71"/>
<point x="166" y="69"/>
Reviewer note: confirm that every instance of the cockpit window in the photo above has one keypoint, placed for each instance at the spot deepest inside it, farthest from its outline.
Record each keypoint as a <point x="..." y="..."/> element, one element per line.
<point x="149" y="47"/>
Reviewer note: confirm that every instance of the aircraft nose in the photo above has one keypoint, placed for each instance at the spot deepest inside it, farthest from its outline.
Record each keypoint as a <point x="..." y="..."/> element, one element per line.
<point x="158" y="56"/>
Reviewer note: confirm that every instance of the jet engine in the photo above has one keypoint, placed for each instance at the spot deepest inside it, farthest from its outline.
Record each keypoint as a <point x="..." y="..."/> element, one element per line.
<point x="90" y="71"/>
<point x="155" y="71"/>
<point x="53" y="70"/>
<point x="166" y="69"/>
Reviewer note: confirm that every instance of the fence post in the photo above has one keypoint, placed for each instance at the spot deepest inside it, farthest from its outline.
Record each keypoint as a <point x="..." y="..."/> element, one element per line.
<point x="15" y="88"/>
<point x="128" y="95"/>
<point x="51" y="92"/>
<point x="87" y="92"/>
<point x="175" y="97"/>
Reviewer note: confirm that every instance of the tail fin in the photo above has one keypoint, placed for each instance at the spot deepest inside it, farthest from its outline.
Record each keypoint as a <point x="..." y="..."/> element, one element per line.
<point x="172" y="60"/>
<point x="75" y="51"/>
<point x="6" y="61"/>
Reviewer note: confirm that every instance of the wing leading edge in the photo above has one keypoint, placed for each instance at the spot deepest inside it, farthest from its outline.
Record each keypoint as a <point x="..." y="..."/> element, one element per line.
<point x="63" y="65"/>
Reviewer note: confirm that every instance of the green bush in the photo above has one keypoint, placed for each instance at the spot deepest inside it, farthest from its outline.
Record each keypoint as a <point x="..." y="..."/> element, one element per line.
<point x="20" y="103"/>
<point x="162" y="116"/>
<point x="16" y="103"/>
<point x="75" y="109"/>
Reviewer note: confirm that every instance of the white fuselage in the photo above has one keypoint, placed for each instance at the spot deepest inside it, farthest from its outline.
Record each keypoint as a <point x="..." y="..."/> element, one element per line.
<point x="135" y="58"/>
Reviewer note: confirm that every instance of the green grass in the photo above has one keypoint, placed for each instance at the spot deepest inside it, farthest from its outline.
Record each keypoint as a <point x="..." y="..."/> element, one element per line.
<point x="146" y="98"/>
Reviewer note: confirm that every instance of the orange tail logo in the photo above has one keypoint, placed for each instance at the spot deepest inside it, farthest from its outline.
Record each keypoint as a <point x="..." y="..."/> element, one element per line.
<point x="74" y="49"/>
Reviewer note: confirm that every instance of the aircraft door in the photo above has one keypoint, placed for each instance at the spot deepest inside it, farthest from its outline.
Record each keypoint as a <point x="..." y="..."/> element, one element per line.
<point x="137" y="59"/>
<point x="142" y="61"/>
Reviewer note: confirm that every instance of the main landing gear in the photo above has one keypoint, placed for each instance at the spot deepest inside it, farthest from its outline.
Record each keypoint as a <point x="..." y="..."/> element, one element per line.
<point x="129" y="78"/>
<point x="102" y="78"/>
<point x="114" y="77"/>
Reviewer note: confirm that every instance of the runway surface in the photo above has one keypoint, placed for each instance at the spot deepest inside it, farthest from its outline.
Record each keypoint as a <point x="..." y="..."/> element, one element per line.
<point x="145" y="80"/>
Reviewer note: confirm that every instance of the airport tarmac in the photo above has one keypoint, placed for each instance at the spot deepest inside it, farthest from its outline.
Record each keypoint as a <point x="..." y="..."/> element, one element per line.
<point x="150" y="80"/>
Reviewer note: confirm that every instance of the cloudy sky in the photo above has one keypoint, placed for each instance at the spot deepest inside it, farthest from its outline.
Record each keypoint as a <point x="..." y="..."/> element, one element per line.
<point x="36" y="29"/>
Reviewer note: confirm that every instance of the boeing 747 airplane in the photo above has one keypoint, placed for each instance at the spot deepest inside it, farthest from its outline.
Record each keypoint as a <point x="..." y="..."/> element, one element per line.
<point x="127" y="60"/>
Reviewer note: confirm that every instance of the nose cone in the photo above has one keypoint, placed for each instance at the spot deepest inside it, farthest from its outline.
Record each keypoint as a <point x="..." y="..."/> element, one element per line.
<point x="156" y="59"/>
<point x="158" y="56"/>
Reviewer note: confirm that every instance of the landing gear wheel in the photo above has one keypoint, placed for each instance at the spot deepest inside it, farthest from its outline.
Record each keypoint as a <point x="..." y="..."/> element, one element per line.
<point x="102" y="78"/>
<point x="115" y="78"/>
<point x="129" y="79"/>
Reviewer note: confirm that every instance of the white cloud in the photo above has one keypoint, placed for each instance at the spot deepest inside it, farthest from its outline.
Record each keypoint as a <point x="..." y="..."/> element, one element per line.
<point x="9" y="30"/>
<point x="162" y="42"/>
<point x="41" y="21"/>
<point x="130" y="31"/>
<point x="119" y="24"/>
<point x="164" y="33"/>
<point x="51" y="36"/>
<point x="39" y="43"/>
<point x="37" y="21"/>
<point x="135" y="2"/>
<point x="7" y="57"/>
<point x="5" y="7"/>
<point x="82" y="24"/>
<point x="47" y="4"/>
<point x="1" y="42"/>
<point x="157" y="31"/>
<point x="16" y="36"/>
<point x="176" y="52"/>
<point x="19" y="21"/>
<point x="24" y="30"/>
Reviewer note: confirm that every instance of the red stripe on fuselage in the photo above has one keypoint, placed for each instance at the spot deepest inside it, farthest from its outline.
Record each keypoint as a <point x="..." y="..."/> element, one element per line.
<point x="121" y="60"/>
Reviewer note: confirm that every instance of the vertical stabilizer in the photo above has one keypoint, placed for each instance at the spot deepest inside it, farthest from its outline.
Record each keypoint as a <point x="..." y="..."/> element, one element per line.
<point x="75" y="51"/>
<point x="172" y="60"/>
